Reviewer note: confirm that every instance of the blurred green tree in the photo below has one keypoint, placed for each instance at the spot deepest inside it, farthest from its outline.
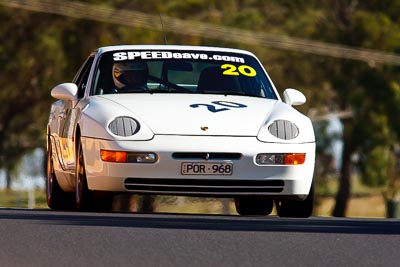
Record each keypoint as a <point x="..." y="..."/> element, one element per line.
<point x="30" y="61"/>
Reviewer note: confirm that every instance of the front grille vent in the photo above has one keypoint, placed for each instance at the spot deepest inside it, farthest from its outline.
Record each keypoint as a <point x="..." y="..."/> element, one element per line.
<point x="206" y="156"/>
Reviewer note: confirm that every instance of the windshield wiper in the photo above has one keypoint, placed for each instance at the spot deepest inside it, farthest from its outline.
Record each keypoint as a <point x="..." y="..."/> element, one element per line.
<point x="130" y="91"/>
<point x="229" y="93"/>
<point x="152" y="91"/>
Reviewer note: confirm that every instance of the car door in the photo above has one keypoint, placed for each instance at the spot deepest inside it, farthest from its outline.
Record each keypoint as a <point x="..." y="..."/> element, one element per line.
<point x="68" y="117"/>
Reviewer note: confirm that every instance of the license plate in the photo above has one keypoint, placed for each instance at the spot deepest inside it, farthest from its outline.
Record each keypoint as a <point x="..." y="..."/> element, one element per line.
<point x="206" y="168"/>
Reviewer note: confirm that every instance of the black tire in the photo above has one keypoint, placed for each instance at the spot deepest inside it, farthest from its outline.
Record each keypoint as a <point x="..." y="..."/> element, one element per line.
<point x="56" y="198"/>
<point x="253" y="206"/>
<point x="87" y="200"/>
<point x="296" y="209"/>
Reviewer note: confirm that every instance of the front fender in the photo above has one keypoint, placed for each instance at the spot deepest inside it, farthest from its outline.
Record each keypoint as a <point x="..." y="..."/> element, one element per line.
<point x="96" y="117"/>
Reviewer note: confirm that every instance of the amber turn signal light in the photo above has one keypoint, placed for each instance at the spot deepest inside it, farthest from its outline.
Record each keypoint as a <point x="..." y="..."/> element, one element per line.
<point x="281" y="158"/>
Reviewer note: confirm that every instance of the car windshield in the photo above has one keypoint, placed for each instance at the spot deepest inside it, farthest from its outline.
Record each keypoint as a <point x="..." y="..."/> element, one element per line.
<point x="195" y="72"/>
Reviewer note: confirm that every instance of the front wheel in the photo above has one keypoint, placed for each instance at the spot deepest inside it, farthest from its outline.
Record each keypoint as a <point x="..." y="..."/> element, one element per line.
<point x="249" y="206"/>
<point x="296" y="209"/>
<point x="87" y="200"/>
<point x="55" y="196"/>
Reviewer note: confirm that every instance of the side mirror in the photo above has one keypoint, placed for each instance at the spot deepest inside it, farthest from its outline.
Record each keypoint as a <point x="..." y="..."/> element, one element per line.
<point x="293" y="97"/>
<point x="65" y="91"/>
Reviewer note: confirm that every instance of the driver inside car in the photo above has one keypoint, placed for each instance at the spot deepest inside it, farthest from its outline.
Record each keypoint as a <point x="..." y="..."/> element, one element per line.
<point x="130" y="75"/>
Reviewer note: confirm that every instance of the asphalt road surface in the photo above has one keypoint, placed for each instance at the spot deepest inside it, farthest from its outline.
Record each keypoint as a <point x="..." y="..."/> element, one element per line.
<point x="50" y="238"/>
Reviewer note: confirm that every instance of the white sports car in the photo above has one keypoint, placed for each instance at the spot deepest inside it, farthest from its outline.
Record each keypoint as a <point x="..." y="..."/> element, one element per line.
<point x="179" y="120"/>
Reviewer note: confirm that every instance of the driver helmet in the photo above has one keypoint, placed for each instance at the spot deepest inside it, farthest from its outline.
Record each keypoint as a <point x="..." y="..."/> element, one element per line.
<point x="130" y="74"/>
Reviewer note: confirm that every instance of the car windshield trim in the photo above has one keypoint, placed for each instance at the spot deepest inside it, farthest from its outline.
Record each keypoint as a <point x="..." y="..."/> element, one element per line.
<point x="196" y="72"/>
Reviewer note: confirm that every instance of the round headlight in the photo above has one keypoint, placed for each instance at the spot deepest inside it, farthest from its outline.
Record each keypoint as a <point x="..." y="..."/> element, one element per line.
<point x="284" y="129"/>
<point x="124" y="126"/>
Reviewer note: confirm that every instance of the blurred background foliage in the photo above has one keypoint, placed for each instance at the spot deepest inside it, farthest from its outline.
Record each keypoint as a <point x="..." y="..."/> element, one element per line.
<point x="39" y="50"/>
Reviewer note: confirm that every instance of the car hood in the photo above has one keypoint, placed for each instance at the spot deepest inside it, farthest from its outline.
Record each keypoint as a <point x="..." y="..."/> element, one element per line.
<point x="188" y="114"/>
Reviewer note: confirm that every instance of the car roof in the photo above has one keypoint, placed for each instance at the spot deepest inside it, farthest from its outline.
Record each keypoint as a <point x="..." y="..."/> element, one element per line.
<point x="170" y="47"/>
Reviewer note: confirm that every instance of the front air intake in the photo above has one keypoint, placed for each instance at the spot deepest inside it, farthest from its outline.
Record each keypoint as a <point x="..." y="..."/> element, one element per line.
<point x="189" y="186"/>
<point x="206" y="156"/>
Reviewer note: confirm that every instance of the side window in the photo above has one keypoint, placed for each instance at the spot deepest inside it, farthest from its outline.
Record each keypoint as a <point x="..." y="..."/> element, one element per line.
<point x="81" y="80"/>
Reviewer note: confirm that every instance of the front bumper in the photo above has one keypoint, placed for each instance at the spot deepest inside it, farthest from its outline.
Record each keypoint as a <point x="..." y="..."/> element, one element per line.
<point x="164" y="176"/>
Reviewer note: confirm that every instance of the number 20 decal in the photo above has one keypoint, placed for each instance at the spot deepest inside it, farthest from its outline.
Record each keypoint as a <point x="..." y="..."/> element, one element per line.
<point x="214" y="108"/>
<point x="242" y="69"/>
